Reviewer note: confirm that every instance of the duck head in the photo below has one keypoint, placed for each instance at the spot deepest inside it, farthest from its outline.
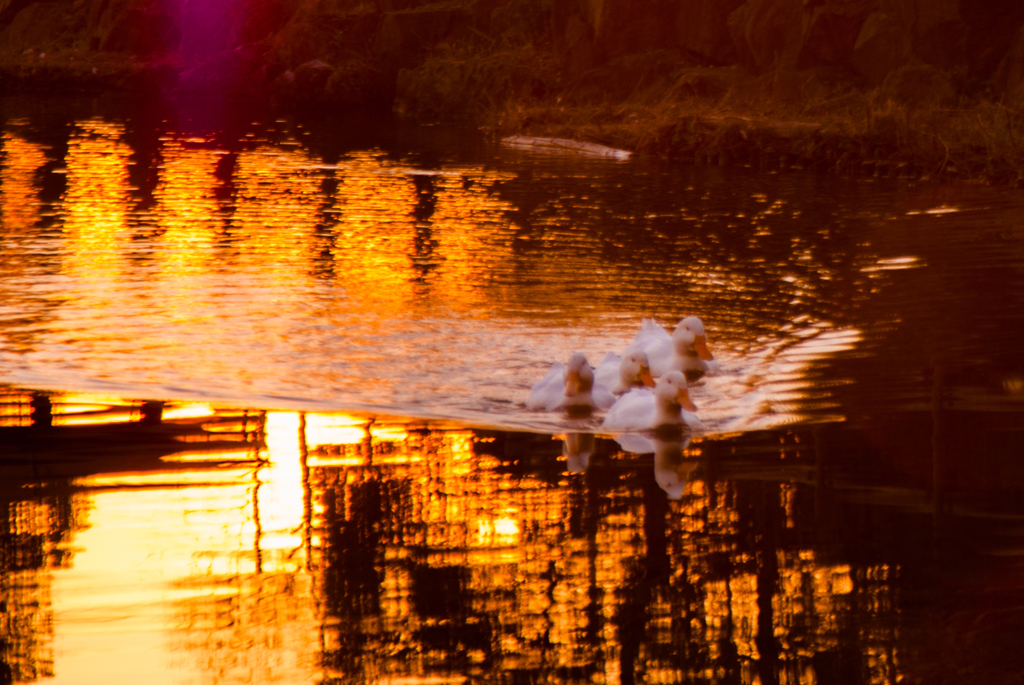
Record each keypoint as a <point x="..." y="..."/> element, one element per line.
<point x="671" y="395"/>
<point x="634" y="370"/>
<point x="689" y="339"/>
<point x="579" y="377"/>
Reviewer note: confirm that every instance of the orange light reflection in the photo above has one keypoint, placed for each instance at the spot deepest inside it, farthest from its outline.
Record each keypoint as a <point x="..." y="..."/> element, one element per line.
<point x="96" y="209"/>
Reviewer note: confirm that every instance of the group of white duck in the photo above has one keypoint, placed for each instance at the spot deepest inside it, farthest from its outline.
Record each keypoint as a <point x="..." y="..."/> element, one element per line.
<point x="621" y="385"/>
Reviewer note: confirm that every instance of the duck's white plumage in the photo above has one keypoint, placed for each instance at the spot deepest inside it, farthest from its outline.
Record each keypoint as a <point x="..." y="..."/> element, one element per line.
<point x="569" y="386"/>
<point x="607" y="372"/>
<point x="547" y="393"/>
<point x="685" y="349"/>
<point x="642" y="410"/>
<point x="620" y="374"/>
<point x="635" y="443"/>
<point x="655" y="342"/>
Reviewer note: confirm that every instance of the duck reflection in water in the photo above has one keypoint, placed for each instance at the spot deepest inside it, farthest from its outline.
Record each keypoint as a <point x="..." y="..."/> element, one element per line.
<point x="672" y="470"/>
<point x="577" y="448"/>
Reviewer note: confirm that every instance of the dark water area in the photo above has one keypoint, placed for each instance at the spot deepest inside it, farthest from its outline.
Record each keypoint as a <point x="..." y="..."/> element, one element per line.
<point x="262" y="411"/>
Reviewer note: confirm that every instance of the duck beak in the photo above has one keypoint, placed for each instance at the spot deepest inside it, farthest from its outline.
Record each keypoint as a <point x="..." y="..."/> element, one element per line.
<point x="701" y="345"/>
<point x="683" y="396"/>
<point x="645" y="377"/>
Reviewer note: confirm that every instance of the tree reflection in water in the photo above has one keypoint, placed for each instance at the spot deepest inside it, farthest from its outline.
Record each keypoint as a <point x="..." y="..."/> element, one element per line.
<point x="601" y="577"/>
<point x="30" y="531"/>
<point x="817" y="553"/>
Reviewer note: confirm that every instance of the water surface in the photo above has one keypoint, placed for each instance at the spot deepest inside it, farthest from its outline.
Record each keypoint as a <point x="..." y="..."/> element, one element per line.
<point x="340" y="319"/>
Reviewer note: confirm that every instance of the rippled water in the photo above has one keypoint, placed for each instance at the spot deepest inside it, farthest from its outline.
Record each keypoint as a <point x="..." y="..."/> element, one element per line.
<point x="286" y="266"/>
<point x="341" y="319"/>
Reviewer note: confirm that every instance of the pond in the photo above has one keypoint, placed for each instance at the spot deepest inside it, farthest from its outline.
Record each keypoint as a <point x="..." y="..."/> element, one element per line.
<point x="262" y="411"/>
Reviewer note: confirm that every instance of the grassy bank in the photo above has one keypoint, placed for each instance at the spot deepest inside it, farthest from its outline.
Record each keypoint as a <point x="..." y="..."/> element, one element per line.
<point x="654" y="105"/>
<point x="859" y="133"/>
<point x="70" y="71"/>
<point x="658" y="104"/>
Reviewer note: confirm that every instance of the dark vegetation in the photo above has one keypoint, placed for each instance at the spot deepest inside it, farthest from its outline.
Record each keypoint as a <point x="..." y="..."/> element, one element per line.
<point x="915" y="87"/>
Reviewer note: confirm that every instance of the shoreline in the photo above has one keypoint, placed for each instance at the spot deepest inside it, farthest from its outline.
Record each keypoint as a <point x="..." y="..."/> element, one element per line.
<point x="857" y="133"/>
<point x="907" y="144"/>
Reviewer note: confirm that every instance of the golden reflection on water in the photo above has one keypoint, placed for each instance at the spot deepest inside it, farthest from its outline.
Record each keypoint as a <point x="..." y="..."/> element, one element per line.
<point x="19" y="203"/>
<point x="186" y="211"/>
<point x="34" y="530"/>
<point x="444" y="517"/>
<point x="277" y="207"/>
<point x="96" y="208"/>
<point x="229" y="257"/>
<point x="379" y="276"/>
<point x="281" y="497"/>
<point x="375" y="550"/>
<point x="19" y="214"/>
<point x="465" y="205"/>
<point x="344" y="548"/>
<point x="264" y="271"/>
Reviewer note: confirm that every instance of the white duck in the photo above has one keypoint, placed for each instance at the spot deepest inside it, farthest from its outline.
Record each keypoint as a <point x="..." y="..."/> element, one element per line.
<point x="619" y="375"/>
<point x="570" y="387"/>
<point x="686" y="349"/>
<point x="643" y="410"/>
